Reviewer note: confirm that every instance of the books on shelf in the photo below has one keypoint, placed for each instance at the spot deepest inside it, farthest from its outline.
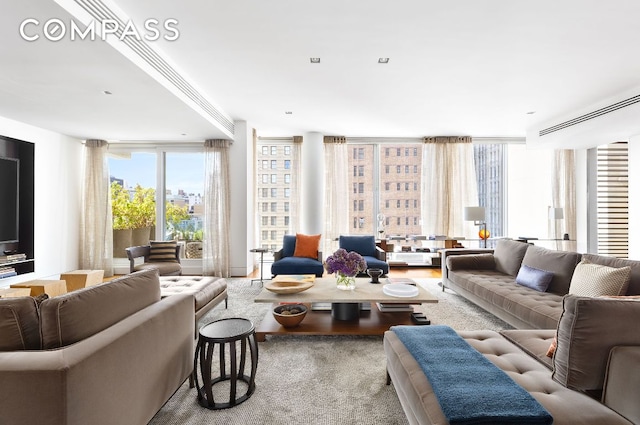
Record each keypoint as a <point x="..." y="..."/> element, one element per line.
<point x="326" y="306"/>
<point x="394" y="307"/>
<point x="12" y="257"/>
<point x="7" y="272"/>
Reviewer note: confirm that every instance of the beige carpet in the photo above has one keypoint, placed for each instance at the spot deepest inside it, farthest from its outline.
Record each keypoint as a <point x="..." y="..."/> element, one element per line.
<point x="317" y="380"/>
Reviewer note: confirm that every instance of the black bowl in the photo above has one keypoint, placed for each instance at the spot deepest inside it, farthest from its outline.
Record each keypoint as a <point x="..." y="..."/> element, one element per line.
<point x="374" y="274"/>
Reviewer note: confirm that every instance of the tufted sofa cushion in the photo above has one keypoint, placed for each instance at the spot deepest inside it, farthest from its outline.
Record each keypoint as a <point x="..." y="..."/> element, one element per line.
<point x="19" y="324"/>
<point x="203" y="288"/>
<point x="539" y="309"/>
<point x="421" y="405"/>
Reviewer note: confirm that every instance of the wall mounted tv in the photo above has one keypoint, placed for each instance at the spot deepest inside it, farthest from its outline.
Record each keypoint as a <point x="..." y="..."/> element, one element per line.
<point x="9" y="190"/>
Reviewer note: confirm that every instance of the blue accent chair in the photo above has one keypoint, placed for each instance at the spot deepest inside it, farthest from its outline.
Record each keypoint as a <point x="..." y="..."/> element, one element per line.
<point x="285" y="263"/>
<point x="365" y="245"/>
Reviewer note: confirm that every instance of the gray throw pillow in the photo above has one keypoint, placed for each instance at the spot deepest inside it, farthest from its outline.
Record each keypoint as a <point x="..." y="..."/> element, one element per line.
<point x="508" y="256"/>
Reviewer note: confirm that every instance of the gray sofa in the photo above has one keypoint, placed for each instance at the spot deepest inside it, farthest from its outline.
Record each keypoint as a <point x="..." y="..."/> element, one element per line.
<point x="593" y="377"/>
<point x="113" y="353"/>
<point x="488" y="278"/>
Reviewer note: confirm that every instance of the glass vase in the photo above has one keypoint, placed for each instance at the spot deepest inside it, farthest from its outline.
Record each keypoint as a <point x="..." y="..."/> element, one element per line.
<point x="346" y="283"/>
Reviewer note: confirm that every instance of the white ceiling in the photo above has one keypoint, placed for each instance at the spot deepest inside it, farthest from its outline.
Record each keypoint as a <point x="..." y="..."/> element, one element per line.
<point x="471" y="67"/>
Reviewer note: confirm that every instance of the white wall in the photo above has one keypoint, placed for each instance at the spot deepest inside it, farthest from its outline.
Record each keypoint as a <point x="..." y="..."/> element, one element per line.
<point x="529" y="191"/>
<point x="312" y="187"/>
<point x="242" y="203"/>
<point x="582" y="224"/>
<point x="58" y="160"/>
<point x="634" y="198"/>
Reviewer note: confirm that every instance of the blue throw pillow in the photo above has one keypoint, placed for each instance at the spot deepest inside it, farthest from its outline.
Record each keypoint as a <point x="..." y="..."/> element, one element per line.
<point x="288" y="245"/>
<point x="534" y="278"/>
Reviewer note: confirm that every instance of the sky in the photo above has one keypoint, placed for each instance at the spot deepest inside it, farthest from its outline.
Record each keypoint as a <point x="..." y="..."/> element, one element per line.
<point x="184" y="171"/>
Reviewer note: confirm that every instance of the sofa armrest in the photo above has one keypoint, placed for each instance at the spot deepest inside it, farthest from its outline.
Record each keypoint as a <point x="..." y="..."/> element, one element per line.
<point x="124" y="373"/>
<point x="447" y="253"/>
<point x="621" y="382"/>
<point x="471" y="262"/>
<point x="277" y="255"/>
<point x="134" y="252"/>
<point x="381" y="254"/>
<point x="320" y="256"/>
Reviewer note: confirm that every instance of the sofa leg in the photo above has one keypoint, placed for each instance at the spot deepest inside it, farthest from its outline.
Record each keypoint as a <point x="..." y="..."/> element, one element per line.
<point x="388" y="378"/>
<point x="191" y="383"/>
<point x="226" y="300"/>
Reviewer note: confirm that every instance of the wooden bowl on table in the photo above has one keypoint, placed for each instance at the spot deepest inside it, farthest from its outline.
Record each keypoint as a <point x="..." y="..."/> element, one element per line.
<point x="289" y="315"/>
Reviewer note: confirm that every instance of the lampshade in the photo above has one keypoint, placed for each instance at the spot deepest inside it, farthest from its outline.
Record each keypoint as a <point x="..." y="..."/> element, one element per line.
<point x="473" y="214"/>
<point x="556" y="213"/>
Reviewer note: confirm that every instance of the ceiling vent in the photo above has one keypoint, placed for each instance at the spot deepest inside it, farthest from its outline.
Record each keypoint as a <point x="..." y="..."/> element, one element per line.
<point x="591" y="115"/>
<point x="100" y="12"/>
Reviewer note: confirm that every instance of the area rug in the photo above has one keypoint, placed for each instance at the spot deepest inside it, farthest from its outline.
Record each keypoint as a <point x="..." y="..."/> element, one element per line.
<point x="317" y="379"/>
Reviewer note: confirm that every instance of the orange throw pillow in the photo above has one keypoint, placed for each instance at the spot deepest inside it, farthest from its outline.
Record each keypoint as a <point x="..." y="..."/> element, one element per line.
<point x="307" y="245"/>
<point x="552" y="348"/>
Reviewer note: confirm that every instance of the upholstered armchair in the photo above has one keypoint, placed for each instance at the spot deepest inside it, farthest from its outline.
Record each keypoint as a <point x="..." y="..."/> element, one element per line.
<point x="161" y="255"/>
<point x="365" y="245"/>
<point x="292" y="259"/>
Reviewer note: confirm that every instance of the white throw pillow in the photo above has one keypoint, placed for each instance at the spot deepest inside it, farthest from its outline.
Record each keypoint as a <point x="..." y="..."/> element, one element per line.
<point x="595" y="280"/>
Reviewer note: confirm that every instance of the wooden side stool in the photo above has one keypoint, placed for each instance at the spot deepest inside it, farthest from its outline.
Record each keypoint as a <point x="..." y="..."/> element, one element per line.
<point x="79" y="279"/>
<point x="14" y="292"/>
<point x="224" y="334"/>
<point x="52" y="288"/>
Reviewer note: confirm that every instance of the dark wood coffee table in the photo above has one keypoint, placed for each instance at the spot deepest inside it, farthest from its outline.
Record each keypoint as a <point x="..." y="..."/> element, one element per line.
<point x="324" y="290"/>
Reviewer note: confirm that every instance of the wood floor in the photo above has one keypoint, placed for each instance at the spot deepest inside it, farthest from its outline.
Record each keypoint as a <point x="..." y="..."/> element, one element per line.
<point x="393" y="272"/>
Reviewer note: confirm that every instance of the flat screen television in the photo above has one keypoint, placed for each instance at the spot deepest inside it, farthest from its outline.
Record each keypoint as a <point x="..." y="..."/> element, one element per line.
<point x="9" y="198"/>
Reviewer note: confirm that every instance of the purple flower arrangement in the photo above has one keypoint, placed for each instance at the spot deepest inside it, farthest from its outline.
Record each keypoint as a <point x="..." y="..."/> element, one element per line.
<point x="345" y="263"/>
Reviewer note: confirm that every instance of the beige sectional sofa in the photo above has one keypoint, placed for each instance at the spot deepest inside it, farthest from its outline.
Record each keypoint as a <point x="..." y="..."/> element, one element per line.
<point x="109" y="354"/>
<point x="488" y="278"/>
<point x="593" y="378"/>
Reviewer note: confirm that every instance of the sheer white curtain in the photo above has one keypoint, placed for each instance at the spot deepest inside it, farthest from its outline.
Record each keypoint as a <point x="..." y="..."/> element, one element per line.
<point x="564" y="193"/>
<point x="96" y="230"/>
<point x="448" y="185"/>
<point x="215" y="251"/>
<point x="336" y="195"/>
<point x="296" y="176"/>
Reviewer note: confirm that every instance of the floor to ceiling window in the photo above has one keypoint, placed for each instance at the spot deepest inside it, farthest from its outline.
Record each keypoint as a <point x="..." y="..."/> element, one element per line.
<point x="385" y="187"/>
<point x="143" y="180"/>
<point x="276" y="192"/>
<point x="490" y="161"/>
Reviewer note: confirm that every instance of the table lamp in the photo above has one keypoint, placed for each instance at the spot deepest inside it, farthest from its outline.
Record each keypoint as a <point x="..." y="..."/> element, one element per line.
<point x="477" y="215"/>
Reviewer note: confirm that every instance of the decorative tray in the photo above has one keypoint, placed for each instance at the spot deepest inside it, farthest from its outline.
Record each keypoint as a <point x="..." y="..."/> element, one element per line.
<point x="288" y="286"/>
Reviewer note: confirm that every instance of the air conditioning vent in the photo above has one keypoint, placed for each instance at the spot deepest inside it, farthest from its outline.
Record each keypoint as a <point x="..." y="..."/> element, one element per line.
<point x="591" y="115"/>
<point x="100" y="11"/>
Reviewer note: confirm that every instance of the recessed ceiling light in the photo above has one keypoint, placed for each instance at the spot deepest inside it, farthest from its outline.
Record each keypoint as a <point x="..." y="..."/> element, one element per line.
<point x="383" y="60"/>
<point x="314" y="60"/>
<point x="107" y="92"/>
<point x="183" y="134"/>
<point x="288" y="112"/>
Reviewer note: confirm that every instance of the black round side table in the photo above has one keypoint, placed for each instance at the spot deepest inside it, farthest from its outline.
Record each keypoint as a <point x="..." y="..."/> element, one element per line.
<point x="224" y="334"/>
